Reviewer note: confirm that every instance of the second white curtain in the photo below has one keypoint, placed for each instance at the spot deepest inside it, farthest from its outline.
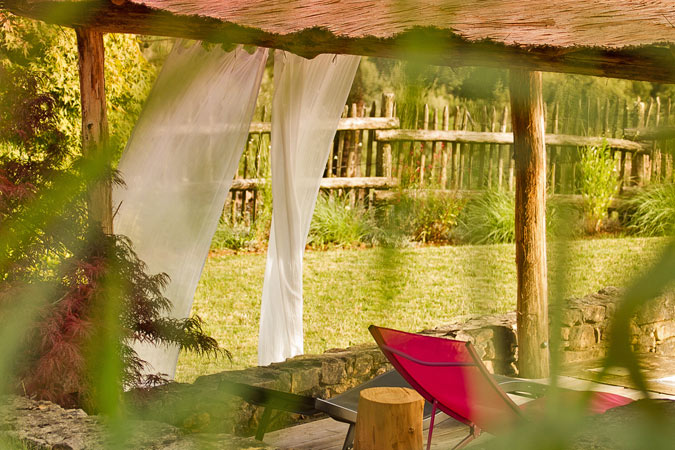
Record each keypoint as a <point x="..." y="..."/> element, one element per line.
<point x="309" y="96"/>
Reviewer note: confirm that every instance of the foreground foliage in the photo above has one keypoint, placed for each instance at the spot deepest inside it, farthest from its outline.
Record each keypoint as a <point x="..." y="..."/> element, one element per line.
<point x="652" y="211"/>
<point x="72" y="300"/>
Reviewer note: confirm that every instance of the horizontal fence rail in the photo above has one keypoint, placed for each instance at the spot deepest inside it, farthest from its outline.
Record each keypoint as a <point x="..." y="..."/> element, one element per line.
<point x="483" y="137"/>
<point x="242" y="184"/>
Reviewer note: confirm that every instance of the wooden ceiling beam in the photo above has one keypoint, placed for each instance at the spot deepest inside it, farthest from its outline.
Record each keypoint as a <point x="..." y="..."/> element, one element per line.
<point x="421" y="44"/>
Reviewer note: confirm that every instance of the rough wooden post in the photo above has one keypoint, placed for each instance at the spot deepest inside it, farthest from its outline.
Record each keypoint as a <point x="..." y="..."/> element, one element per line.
<point x="383" y="156"/>
<point x="527" y="118"/>
<point x="95" y="123"/>
<point x="388" y="109"/>
<point x="389" y="418"/>
<point x="637" y="160"/>
<point x="446" y="149"/>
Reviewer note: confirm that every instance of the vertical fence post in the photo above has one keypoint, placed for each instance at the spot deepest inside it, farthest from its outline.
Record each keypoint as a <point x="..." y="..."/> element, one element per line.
<point x="383" y="156"/>
<point x="493" y="147"/>
<point x="446" y="149"/>
<point x="423" y="146"/>
<point x="637" y="160"/>
<point x="456" y="151"/>
<point x="503" y="150"/>
<point x="530" y="161"/>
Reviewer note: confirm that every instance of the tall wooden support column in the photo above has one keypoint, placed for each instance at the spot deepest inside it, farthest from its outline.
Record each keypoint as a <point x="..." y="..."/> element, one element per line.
<point x="95" y="123"/>
<point x="527" y="116"/>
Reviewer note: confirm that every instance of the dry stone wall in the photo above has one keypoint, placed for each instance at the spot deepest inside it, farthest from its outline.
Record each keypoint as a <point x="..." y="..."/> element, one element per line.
<point x="206" y="406"/>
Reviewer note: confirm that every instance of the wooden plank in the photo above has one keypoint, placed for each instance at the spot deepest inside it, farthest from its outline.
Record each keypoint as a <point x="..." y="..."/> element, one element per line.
<point x="345" y="124"/>
<point x="95" y="135"/>
<point x="573" y="200"/>
<point x="244" y="184"/>
<point x="650" y="134"/>
<point x="530" y="164"/>
<point x="484" y="137"/>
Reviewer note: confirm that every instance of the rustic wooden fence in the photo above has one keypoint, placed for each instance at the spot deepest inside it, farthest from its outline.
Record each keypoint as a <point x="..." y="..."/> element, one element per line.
<point x="469" y="147"/>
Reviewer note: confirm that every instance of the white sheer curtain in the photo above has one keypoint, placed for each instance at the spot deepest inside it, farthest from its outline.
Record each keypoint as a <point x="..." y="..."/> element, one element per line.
<point x="309" y="96"/>
<point x="179" y="164"/>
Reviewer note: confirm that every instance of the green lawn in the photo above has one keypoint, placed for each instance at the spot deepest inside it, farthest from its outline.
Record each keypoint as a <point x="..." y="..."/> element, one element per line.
<point x="347" y="290"/>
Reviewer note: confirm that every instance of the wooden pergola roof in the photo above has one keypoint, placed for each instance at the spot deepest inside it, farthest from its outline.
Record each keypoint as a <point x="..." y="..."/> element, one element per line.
<point x="630" y="39"/>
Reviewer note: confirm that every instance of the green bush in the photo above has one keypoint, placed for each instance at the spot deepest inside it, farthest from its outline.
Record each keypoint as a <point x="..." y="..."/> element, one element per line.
<point x="597" y="184"/>
<point x="423" y="216"/>
<point x="651" y="212"/>
<point x="433" y="217"/>
<point x="337" y="223"/>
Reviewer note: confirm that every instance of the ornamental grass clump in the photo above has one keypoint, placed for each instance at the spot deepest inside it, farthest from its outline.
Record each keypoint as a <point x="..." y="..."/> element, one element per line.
<point x="651" y="211"/>
<point x="337" y="222"/>
<point x="598" y="183"/>
<point x="489" y="218"/>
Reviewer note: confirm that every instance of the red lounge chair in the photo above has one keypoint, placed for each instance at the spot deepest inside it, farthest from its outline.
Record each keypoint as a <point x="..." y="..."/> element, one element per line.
<point x="450" y="375"/>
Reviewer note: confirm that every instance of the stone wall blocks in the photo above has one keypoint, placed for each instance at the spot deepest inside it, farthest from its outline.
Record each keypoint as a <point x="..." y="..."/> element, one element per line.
<point x="332" y="371"/>
<point x="581" y="337"/>
<point x="664" y="330"/>
<point x="666" y="347"/>
<point x="571" y="316"/>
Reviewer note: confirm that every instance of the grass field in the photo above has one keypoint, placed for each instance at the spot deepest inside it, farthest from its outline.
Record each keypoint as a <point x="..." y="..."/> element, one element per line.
<point x="415" y="288"/>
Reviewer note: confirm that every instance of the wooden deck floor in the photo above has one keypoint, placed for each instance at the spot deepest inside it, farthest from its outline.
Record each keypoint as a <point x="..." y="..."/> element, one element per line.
<point x="328" y="434"/>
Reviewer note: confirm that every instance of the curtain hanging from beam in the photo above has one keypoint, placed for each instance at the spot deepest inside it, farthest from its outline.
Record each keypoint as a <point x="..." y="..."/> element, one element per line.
<point x="178" y="167"/>
<point x="309" y="96"/>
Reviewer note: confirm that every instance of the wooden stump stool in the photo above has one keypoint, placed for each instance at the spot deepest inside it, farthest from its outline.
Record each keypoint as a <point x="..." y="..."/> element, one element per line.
<point x="389" y="418"/>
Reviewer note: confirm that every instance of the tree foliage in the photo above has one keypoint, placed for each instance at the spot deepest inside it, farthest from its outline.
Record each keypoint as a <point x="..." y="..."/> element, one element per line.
<point x="89" y="296"/>
<point x="49" y="54"/>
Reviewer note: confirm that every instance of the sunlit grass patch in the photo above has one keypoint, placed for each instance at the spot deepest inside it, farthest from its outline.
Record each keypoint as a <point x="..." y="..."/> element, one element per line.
<point x="346" y="290"/>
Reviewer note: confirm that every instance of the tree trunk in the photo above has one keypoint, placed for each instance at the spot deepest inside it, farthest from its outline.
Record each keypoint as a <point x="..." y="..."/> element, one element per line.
<point x="530" y="170"/>
<point x="95" y="125"/>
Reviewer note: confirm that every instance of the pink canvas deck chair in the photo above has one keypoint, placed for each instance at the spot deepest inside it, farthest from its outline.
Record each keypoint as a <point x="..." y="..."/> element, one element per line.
<point x="450" y="375"/>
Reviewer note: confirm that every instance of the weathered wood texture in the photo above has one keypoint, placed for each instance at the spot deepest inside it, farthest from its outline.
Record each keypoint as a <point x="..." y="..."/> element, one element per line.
<point x="346" y="123"/>
<point x="615" y="38"/>
<point x="576" y="201"/>
<point x="651" y="134"/>
<point x="244" y="184"/>
<point x="389" y="418"/>
<point x="486" y="137"/>
<point x="95" y="125"/>
<point x="527" y="115"/>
